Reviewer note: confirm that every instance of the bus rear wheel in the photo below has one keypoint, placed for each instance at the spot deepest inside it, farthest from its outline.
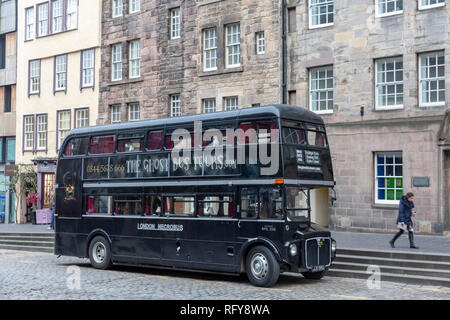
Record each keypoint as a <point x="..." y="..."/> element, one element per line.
<point x="100" y="253"/>
<point x="262" y="267"/>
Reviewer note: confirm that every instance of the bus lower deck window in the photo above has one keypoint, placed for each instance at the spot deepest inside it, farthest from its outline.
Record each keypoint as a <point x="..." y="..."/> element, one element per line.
<point x="215" y="206"/>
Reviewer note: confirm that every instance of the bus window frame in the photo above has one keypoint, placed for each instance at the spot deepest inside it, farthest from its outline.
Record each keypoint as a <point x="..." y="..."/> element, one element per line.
<point x="146" y="140"/>
<point x="69" y="139"/>
<point x="102" y="154"/>
<point x="173" y="215"/>
<point x="141" y="148"/>
<point x="258" y="215"/>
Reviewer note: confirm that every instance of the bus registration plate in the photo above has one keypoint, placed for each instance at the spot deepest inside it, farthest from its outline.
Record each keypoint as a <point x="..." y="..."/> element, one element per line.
<point x="318" y="268"/>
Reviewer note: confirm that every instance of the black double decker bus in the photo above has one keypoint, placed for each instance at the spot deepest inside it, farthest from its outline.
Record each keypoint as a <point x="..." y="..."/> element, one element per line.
<point x="226" y="192"/>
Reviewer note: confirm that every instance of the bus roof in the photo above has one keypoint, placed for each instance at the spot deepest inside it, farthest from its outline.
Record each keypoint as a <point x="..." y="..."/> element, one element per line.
<point x="278" y="110"/>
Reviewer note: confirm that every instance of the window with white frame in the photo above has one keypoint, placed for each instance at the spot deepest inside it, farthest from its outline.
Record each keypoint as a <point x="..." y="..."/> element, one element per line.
<point x="115" y="113"/>
<point x="87" y="68"/>
<point x="117" y="9"/>
<point x="29" y="23"/>
<point x="388" y="177"/>
<point x="432" y="79"/>
<point x="175" y="23"/>
<point x="41" y="125"/>
<point x="321" y="13"/>
<point x="63" y="125"/>
<point x="209" y="49"/>
<point x="135" y="59"/>
<point x="72" y="14"/>
<point x="35" y="76"/>
<point x="233" y="45"/>
<point x="42" y="19"/>
<point x="175" y="105"/>
<point x="260" y="43"/>
<point x="231" y="103"/>
<point x="82" y="118"/>
<point x="388" y="7"/>
<point x="134" y="113"/>
<point x="321" y="89"/>
<point x="135" y="6"/>
<point x="209" y="105"/>
<point x="116" y="70"/>
<point x="60" y="72"/>
<point x="427" y="4"/>
<point x="28" y="133"/>
<point x="389" y="83"/>
<point x="57" y="15"/>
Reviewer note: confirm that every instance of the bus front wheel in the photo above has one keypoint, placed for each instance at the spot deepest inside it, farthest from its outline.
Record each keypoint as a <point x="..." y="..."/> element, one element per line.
<point x="262" y="267"/>
<point x="100" y="253"/>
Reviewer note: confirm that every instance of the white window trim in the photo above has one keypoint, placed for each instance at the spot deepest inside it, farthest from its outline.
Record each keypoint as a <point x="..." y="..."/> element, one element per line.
<point x="209" y="49"/>
<point x="377" y="201"/>
<point x="204" y="105"/>
<point x="393" y="107"/>
<point x="328" y="111"/>
<point x="84" y="68"/>
<point x="134" y="11"/>
<point x="60" y="17"/>
<point x="227" y="47"/>
<point x="67" y="13"/>
<point x="172" y="24"/>
<point x="136" y="59"/>
<point x="44" y="116"/>
<point x="47" y="31"/>
<point x="225" y="99"/>
<point x="79" y="119"/>
<point x="30" y="78"/>
<point x="381" y="15"/>
<point x="134" y="104"/>
<point x="172" y="101"/>
<point x="119" y="113"/>
<point x="113" y="10"/>
<point x="324" y="25"/>
<point x="263" y="40"/>
<point x="113" y="62"/>
<point x="30" y="26"/>
<point x="431" y="6"/>
<point x="60" y="137"/>
<point x="62" y="72"/>
<point x="428" y="104"/>
<point x="25" y="148"/>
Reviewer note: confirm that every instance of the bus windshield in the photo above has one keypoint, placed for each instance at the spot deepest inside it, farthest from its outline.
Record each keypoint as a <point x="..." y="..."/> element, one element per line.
<point x="297" y="203"/>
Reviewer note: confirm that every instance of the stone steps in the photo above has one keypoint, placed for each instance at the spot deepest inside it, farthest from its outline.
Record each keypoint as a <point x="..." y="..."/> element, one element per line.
<point x="406" y="267"/>
<point x="36" y="242"/>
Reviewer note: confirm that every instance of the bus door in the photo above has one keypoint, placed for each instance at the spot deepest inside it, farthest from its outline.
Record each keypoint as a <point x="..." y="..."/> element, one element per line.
<point x="216" y="226"/>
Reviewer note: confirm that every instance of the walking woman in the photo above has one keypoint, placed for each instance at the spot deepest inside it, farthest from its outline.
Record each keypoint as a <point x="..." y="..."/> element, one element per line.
<point x="404" y="221"/>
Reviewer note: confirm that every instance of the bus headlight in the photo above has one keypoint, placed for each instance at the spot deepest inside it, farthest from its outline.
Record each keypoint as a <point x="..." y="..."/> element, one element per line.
<point x="293" y="249"/>
<point x="333" y="248"/>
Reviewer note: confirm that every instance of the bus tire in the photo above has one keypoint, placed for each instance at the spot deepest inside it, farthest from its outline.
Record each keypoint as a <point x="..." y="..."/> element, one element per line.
<point x="100" y="253"/>
<point x="314" y="275"/>
<point x="262" y="267"/>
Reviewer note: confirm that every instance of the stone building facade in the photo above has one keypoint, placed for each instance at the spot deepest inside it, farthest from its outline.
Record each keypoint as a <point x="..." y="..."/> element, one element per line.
<point x="377" y="71"/>
<point x="174" y="39"/>
<point x="57" y="84"/>
<point x="379" y="76"/>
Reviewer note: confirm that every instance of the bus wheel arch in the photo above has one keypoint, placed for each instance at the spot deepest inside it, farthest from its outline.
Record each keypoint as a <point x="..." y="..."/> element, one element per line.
<point x="92" y="235"/>
<point x="261" y="265"/>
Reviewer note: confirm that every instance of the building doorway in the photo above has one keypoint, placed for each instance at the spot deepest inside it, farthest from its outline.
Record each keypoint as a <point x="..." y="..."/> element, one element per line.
<point x="48" y="182"/>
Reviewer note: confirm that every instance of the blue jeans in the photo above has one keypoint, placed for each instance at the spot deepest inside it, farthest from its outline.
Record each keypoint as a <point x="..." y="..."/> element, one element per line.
<point x="53" y="217"/>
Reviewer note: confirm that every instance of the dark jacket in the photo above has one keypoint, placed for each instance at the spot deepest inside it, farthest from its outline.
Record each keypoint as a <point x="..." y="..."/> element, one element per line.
<point x="405" y="211"/>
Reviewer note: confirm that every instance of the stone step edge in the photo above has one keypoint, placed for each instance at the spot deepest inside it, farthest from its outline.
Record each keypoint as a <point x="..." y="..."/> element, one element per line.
<point x="391" y="277"/>
<point x="441" y="263"/>
<point x="365" y="266"/>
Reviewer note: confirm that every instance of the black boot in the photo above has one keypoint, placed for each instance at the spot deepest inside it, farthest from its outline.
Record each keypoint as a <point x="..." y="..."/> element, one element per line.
<point x="411" y="240"/>
<point x="399" y="233"/>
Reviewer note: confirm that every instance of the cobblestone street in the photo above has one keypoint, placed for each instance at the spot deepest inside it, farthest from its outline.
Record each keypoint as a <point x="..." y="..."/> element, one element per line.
<point x="28" y="275"/>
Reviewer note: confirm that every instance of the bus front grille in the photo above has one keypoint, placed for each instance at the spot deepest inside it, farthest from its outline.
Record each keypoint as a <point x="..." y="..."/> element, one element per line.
<point x="318" y="252"/>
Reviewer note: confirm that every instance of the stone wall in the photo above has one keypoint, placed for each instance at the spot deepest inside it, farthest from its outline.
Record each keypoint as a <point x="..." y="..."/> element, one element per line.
<point x="352" y="45"/>
<point x="175" y="66"/>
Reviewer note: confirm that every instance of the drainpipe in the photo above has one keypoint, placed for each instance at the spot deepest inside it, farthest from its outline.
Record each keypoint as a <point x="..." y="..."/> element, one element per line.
<point x="283" y="53"/>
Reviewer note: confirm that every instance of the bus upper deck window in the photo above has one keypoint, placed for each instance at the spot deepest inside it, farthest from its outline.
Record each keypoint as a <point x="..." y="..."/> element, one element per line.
<point x="154" y="140"/>
<point x="130" y="145"/>
<point x="102" y="145"/>
<point x="265" y="134"/>
<point x="76" y="147"/>
<point x="294" y="136"/>
<point x="316" y="139"/>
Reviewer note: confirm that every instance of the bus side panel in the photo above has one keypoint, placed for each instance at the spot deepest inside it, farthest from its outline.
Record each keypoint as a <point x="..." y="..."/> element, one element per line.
<point x="68" y="240"/>
<point x="69" y="192"/>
